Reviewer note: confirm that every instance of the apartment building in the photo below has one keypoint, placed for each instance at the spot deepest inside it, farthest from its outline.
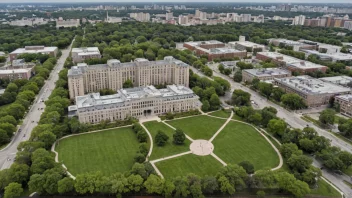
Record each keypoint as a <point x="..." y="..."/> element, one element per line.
<point x="267" y="74"/>
<point x="142" y="17"/>
<point x="86" y="79"/>
<point x="13" y="74"/>
<point x="314" y="92"/>
<point x="134" y="102"/>
<point x="291" y="63"/>
<point x="34" y="50"/>
<point x="80" y="54"/>
<point x="345" y="103"/>
<point x="242" y="45"/>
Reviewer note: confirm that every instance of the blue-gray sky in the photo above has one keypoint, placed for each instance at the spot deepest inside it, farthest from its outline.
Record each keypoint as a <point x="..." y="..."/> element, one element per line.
<point x="178" y="1"/>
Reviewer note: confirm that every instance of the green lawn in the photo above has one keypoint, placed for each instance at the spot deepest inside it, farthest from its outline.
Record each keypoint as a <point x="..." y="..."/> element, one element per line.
<point x="169" y="148"/>
<point x="109" y="151"/>
<point x="181" y="166"/>
<point x="236" y="117"/>
<point x="239" y="142"/>
<point x="325" y="189"/>
<point x="198" y="127"/>
<point x="221" y="113"/>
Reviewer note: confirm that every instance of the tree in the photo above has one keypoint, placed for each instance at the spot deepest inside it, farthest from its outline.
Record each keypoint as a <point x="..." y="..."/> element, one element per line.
<point x="135" y="182"/>
<point x="48" y="138"/>
<point x="181" y="187"/>
<point x="36" y="183"/>
<point x="235" y="174"/>
<point x="195" y="185"/>
<point x="277" y="93"/>
<point x="9" y="128"/>
<point x="277" y="126"/>
<point x="142" y="136"/>
<point x="289" y="149"/>
<point x="225" y="186"/>
<point x="209" y="184"/>
<point x="292" y="101"/>
<point x="161" y="138"/>
<point x="16" y="110"/>
<point x="13" y="190"/>
<point x="179" y="137"/>
<point x="128" y="84"/>
<point x="8" y="119"/>
<point x="154" y="184"/>
<point x="327" y="116"/>
<point x="240" y="97"/>
<point x="169" y="188"/>
<point x="346" y="158"/>
<point x="255" y="118"/>
<point x="265" y="88"/>
<point x="205" y="106"/>
<point x="237" y="77"/>
<point x="248" y="167"/>
<point x="214" y="102"/>
<point x="299" y="163"/>
<point x="139" y="157"/>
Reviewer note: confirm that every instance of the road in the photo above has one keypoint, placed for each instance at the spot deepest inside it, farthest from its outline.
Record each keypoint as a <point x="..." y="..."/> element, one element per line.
<point x="8" y="154"/>
<point x="294" y="120"/>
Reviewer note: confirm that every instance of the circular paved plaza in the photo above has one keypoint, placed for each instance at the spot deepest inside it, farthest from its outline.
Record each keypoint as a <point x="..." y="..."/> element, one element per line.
<point x="201" y="147"/>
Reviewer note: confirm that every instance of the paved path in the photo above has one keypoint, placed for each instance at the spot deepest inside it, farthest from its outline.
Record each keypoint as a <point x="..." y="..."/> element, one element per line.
<point x="166" y="158"/>
<point x="8" y="154"/>
<point x="218" y="158"/>
<point x="222" y="127"/>
<point x="151" y="142"/>
<point x="175" y="129"/>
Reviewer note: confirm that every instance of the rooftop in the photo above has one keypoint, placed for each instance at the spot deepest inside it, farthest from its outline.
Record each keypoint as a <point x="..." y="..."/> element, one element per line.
<point x="291" y="61"/>
<point x="333" y="56"/>
<point x="80" y="69"/>
<point x="130" y="94"/>
<point x="32" y="51"/>
<point x="85" y="49"/>
<point x="223" y="50"/>
<point x="341" y="80"/>
<point x="309" y="85"/>
<point x="197" y="43"/>
<point x="347" y="97"/>
<point x="287" y="42"/>
<point x="248" y="44"/>
<point x="267" y="72"/>
<point x="14" y="71"/>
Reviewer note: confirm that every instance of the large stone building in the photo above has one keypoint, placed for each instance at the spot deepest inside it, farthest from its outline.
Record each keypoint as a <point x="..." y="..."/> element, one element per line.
<point x="339" y="80"/>
<point x="345" y="102"/>
<point x="34" y="50"/>
<point x="61" y="23"/>
<point x="86" y="79"/>
<point x="264" y="74"/>
<point x="314" y="92"/>
<point x="134" y="102"/>
<point x="291" y="63"/>
<point x="80" y="54"/>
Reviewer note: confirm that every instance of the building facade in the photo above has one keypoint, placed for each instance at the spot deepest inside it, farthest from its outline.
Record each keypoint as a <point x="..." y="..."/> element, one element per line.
<point x="86" y="79"/>
<point x="264" y="74"/>
<point x="313" y="91"/>
<point x="13" y="74"/>
<point x="291" y="63"/>
<point x="134" y="102"/>
<point x="67" y="23"/>
<point x="34" y="50"/>
<point x="80" y="54"/>
<point x="345" y="103"/>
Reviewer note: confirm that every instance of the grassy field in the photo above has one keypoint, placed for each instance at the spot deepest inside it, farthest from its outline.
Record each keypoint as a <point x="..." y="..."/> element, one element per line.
<point x="198" y="127"/>
<point x="181" y="166"/>
<point x="239" y="142"/>
<point x="221" y="113"/>
<point x="109" y="151"/>
<point x="169" y="148"/>
<point x="325" y="189"/>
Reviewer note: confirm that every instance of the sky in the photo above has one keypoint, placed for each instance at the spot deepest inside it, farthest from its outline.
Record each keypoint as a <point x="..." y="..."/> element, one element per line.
<point x="179" y="1"/>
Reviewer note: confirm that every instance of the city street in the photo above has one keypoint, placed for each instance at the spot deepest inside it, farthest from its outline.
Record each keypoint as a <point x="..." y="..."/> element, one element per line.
<point x="8" y="154"/>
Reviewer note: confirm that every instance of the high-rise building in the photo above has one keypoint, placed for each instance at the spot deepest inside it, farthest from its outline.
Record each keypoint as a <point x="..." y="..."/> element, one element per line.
<point x="86" y="79"/>
<point x="141" y="16"/>
<point x="169" y="16"/>
<point x="182" y="20"/>
<point x="299" y="20"/>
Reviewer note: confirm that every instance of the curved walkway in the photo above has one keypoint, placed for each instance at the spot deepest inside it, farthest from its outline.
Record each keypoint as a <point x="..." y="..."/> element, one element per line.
<point x="151" y="142"/>
<point x="212" y="138"/>
<point x="57" y="154"/>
